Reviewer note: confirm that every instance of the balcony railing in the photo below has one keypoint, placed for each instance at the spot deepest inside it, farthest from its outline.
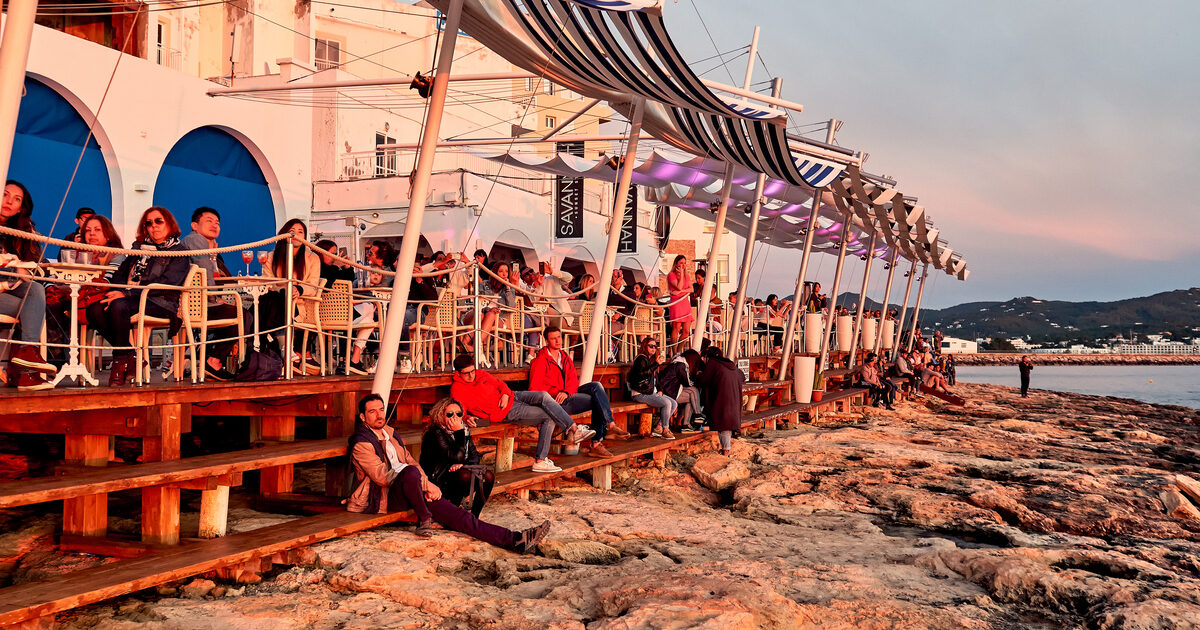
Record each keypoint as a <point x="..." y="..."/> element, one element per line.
<point x="325" y="64"/>
<point x="168" y="57"/>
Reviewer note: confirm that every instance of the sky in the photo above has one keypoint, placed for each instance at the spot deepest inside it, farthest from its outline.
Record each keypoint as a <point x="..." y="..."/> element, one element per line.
<point x="1053" y="142"/>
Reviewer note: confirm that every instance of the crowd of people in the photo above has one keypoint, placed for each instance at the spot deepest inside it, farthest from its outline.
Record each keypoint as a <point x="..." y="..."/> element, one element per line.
<point x="922" y="366"/>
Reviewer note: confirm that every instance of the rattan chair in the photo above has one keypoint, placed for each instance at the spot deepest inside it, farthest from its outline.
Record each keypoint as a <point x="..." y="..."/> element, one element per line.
<point x="440" y="328"/>
<point x="337" y="317"/>
<point x="143" y="325"/>
<point x="308" y="321"/>
<point x="193" y="310"/>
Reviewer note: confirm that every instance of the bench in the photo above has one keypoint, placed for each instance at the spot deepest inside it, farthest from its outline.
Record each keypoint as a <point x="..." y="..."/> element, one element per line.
<point x="770" y="418"/>
<point x="36" y="600"/>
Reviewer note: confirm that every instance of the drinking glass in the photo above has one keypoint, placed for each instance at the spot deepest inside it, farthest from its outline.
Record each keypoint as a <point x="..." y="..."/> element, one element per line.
<point x="247" y="257"/>
<point x="68" y="256"/>
<point x="263" y="257"/>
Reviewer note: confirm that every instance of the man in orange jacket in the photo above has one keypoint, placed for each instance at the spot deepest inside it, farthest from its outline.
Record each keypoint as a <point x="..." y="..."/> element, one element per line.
<point x="552" y="371"/>
<point x="485" y="396"/>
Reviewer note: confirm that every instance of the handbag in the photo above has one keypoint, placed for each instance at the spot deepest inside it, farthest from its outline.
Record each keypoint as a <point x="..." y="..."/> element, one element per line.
<point x="477" y="474"/>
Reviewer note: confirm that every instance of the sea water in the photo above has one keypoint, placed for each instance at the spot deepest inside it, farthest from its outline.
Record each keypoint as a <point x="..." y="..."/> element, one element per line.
<point x="1161" y="384"/>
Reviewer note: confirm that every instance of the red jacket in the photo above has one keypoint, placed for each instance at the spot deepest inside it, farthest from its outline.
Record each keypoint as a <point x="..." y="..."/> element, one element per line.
<point x="546" y="375"/>
<point x="481" y="397"/>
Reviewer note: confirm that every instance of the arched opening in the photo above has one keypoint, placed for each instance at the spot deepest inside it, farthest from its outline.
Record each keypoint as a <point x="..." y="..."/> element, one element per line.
<point x="513" y="246"/>
<point x="210" y="167"/>
<point x="392" y="234"/>
<point x="50" y="136"/>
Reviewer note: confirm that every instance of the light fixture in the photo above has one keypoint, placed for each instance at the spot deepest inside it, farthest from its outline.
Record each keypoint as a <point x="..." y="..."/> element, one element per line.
<point x="613" y="162"/>
<point x="422" y="84"/>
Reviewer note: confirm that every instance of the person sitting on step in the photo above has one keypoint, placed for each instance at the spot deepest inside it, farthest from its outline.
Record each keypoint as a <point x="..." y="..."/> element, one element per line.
<point x="487" y="397"/>
<point x="450" y="459"/>
<point x="881" y="387"/>
<point x="643" y="387"/>
<point x="553" y="372"/>
<point x="675" y="380"/>
<point x="390" y="480"/>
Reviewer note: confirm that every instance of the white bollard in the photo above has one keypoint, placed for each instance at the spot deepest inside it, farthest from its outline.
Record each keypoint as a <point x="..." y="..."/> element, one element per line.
<point x="803" y="369"/>
<point x="845" y="333"/>
<point x="868" y="334"/>
<point x="814" y="327"/>
<point x="889" y="334"/>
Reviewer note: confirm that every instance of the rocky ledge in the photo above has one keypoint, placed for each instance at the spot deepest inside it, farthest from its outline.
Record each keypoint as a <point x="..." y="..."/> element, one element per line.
<point x="1012" y="358"/>
<point x="1046" y="512"/>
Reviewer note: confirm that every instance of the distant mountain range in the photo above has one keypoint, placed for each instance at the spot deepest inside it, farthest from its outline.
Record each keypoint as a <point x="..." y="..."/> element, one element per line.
<point x="1175" y="312"/>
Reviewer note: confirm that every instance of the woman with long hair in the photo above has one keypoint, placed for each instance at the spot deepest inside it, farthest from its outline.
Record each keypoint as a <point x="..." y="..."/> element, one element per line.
<point x="305" y="273"/>
<point x="20" y="296"/>
<point x="157" y="231"/>
<point x="450" y="459"/>
<point x="643" y="387"/>
<point x="679" y="286"/>
<point x="96" y="230"/>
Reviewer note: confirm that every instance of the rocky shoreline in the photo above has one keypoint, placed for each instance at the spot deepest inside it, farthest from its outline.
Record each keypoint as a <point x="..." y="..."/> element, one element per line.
<point x="1044" y="512"/>
<point x="1009" y="358"/>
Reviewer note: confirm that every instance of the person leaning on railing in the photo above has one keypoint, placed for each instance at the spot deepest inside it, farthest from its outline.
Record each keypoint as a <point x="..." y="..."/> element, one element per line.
<point x="157" y="231"/>
<point x="305" y="273"/>
<point x="21" y="297"/>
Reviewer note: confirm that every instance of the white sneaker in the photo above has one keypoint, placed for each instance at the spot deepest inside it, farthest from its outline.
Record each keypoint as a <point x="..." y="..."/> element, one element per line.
<point x="580" y="433"/>
<point x="545" y="466"/>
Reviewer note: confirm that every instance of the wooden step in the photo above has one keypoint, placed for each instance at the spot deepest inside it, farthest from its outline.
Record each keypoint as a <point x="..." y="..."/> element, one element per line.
<point x="80" y="588"/>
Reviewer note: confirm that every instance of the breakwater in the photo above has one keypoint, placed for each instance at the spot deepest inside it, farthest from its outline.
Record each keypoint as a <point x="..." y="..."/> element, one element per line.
<point x="1011" y="358"/>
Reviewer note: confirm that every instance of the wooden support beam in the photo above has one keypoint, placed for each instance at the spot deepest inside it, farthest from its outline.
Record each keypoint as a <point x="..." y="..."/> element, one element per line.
<point x="504" y="453"/>
<point x="160" y="505"/>
<point x="124" y="422"/>
<point x="602" y="477"/>
<point x="645" y="424"/>
<point x="340" y="423"/>
<point x="211" y="483"/>
<point x="86" y="515"/>
<point x="277" y="479"/>
<point x="319" y="405"/>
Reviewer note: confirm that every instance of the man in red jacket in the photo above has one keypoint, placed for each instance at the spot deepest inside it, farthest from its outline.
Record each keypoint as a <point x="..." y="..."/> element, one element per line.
<point x="552" y="371"/>
<point x="486" y="396"/>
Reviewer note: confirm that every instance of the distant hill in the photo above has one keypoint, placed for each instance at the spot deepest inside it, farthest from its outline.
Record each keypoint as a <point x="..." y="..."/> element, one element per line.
<point x="1175" y="312"/>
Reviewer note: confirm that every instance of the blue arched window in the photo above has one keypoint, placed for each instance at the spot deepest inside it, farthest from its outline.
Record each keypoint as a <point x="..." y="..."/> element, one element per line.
<point x="209" y="167"/>
<point x="50" y="136"/>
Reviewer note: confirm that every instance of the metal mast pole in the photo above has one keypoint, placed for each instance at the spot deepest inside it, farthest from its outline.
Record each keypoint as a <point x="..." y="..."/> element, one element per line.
<point x="604" y="282"/>
<point x="389" y="345"/>
<point x="862" y="299"/>
<point x="912" y="274"/>
<point x="810" y="231"/>
<point x="917" y="307"/>
<point x="837" y="280"/>
<point x="887" y="294"/>
<point x="14" y="55"/>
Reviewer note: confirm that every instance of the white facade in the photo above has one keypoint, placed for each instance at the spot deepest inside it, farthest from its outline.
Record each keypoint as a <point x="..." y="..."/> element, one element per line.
<point x="954" y="345"/>
<point x="688" y="227"/>
<point x="1168" y="347"/>
<point x="150" y="107"/>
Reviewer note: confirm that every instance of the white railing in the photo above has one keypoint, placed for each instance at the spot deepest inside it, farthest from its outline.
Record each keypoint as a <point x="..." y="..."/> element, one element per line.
<point x="169" y="57"/>
<point x="326" y="64"/>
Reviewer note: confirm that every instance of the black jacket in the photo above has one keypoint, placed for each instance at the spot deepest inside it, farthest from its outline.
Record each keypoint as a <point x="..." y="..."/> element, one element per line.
<point x="441" y="449"/>
<point x="643" y="376"/>
<point x="160" y="270"/>
<point x="672" y="377"/>
<point x="721" y="382"/>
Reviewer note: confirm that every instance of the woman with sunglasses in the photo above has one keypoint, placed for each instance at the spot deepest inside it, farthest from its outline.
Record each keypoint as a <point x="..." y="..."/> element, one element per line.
<point x="158" y="232"/>
<point x="450" y="459"/>
<point x="643" y="387"/>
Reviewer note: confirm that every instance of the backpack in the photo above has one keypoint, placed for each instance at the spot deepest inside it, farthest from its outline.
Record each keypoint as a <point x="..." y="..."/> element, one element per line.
<point x="261" y="365"/>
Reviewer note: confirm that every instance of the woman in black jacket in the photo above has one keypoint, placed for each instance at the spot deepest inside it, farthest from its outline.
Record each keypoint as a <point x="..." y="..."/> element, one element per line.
<point x="675" y="380"/>
<point x="450" y="459"/>
<point x="157" y="231"/>
<point x="722" y="384"/>
<point x="643" y="387"/>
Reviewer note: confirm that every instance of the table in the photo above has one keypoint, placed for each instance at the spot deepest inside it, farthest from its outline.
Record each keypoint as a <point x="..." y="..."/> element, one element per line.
<point x="255" y="287"/>
<point x="75" y="273"/>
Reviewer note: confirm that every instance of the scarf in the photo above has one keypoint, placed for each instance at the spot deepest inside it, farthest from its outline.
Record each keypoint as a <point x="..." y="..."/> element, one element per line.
<point x="139" y="267"/>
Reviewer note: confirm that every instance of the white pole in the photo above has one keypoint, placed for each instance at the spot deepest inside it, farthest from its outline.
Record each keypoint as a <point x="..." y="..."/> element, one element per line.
<point x="14" y="55"/>
<point x="789" y="333"/>
<point x="912" y="274"/>
<point x="750" y="61"/>
<point x="887" y="295"/>
<point x="389" y="345"/>
<point x="917" y="307"/>
<point x="604" y="283"/>
<point x="711" y="276"/>
<point x="748" y="251"/>
<point x="833" y="294"/>
<point x="862" y="299"/>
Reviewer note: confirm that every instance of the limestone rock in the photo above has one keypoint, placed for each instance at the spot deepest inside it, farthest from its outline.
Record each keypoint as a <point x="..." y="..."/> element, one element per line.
<point x="717" y="472"/>
<point x="580" y="551"/>
<point x="197" y="589"/>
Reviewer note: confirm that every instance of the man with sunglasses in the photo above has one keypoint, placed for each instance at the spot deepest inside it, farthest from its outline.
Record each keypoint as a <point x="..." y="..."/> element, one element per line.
<point x="487" y="397"/>
<point x="391" y="480"/>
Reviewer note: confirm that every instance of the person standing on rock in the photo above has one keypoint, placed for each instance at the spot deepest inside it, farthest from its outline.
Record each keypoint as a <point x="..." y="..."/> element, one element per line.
<point x="721" y="381"/>
<point x="1025" y="367"/>
<point x="389" y="479"/>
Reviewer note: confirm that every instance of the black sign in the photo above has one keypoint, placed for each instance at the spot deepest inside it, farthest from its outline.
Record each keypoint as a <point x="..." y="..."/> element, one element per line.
<point x="568" y="199"/>
<point x="628" y="242"/>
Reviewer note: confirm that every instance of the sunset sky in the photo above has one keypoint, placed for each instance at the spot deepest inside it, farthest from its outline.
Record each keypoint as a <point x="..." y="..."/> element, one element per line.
<point x="1055" y="143"/>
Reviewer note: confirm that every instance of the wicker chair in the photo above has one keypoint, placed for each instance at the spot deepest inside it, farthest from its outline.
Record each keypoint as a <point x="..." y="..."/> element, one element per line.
<point x="308" y="320"/>
<point x="193" y="310"/>
<point x="639" y="325"/>
<point x="443" y="327"/>
<point x="144" y="324"/>
<point x="337" y="317"/>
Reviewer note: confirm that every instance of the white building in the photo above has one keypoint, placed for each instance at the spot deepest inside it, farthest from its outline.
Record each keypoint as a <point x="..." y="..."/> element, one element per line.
<point x="953" y="345"/>
<point x="1161" y="347"/>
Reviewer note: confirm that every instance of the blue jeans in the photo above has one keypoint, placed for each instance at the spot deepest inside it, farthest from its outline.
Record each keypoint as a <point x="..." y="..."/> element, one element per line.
<point x="538" y="409"/>
<point x="591" y="396"/>
<point x="30" y="315"/>
<point x="663" y="403"/>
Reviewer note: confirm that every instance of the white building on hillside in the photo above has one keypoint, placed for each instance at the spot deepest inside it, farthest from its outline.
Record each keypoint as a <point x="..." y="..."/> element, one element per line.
<point x="953" y="345"/>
